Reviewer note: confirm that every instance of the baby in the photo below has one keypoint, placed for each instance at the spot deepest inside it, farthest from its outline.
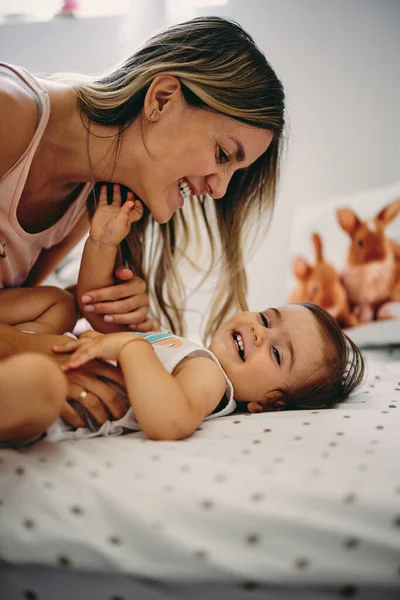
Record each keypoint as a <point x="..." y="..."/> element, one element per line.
<point x="294" y="357"/>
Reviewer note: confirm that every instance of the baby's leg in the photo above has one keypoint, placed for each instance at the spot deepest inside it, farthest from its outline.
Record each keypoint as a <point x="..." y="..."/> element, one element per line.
<point x="33" y="390"/>
<point x="43" y="309"/>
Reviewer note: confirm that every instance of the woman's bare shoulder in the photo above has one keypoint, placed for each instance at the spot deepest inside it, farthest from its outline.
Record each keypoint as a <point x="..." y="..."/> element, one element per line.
<point x="18" y="117"/>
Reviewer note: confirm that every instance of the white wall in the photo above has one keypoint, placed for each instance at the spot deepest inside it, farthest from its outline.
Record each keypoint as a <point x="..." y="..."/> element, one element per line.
<point x="83" y="45"/>
<point x="339" y="62"/>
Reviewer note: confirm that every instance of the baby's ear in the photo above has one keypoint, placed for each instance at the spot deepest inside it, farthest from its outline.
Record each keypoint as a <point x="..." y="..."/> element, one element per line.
<point x="254" y="407"/>
<point x="273" y="401"/>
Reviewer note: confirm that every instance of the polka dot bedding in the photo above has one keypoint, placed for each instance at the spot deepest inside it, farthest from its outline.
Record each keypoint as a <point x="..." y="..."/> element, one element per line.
<point x="297" y="498"/>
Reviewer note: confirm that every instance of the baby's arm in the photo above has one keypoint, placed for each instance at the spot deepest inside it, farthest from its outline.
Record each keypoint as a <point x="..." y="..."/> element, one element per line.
<point x="167" y="406"/>
<point x="170" y="407"/>
<point x="110" y="225"/>
<point x="42" y="309"/>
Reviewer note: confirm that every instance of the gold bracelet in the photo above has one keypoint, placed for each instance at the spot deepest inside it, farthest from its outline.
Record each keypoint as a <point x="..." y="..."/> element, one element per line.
<point x="134" y="339"/>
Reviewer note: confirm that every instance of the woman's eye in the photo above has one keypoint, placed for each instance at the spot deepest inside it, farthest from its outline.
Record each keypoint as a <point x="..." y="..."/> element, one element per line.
<point x="222" y="156"/>
<point x="277" y="355"/>
<point x="264" y="320"/>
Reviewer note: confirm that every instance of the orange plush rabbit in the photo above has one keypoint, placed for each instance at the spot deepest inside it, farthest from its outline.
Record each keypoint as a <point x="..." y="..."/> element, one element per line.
<point x="371" y="275"/>
<point x="321" y="284"/>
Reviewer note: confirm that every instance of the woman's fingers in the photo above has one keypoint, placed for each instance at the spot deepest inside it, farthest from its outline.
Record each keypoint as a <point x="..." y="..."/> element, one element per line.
<point x="101" y="396"/>
<point x="121" y="307"/>
<point x="103" y="371"/>
<point x="69" y="414"/>
<point x="133" y="287"/>
<point x="80" y="395"/>
<point x="135" y="317"/>
<point x="149" y="324"/>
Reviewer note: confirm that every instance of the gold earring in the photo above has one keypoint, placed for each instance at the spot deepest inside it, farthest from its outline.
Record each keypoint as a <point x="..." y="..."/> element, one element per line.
<point x="153" y="114"/>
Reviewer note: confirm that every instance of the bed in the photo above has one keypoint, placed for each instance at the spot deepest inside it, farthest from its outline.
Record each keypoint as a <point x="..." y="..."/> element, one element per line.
<point x="303" y="504"/>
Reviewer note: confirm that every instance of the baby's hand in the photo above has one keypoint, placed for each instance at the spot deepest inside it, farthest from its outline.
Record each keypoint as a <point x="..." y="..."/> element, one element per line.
<point x="91" y="345"/>
<point x="111" y="222"/>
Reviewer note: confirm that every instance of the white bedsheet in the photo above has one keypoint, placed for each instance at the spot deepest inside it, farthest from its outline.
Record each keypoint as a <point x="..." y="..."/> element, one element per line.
<point x="307" y="497"/>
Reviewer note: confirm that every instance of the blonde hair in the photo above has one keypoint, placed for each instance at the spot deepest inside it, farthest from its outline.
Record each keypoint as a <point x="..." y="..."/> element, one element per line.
<point x="221" y="69"/>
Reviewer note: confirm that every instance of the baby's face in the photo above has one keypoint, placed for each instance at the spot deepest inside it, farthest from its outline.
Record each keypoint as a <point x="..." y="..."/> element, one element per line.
<point x="264" y="351"/>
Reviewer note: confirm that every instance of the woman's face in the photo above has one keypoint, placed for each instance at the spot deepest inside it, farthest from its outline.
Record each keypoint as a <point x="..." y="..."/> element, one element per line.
<point x="187" y="151"/>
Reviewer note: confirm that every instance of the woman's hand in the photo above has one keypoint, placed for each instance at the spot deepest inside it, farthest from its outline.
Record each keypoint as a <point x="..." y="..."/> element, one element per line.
<point x="91" y="345"/>
<point x="124" y="303"/>
<point x="97" y="398"/>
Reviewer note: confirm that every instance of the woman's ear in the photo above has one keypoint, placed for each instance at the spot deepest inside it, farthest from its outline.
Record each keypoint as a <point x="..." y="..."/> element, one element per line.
<point x="164" y="93"/>
<point x="272" y="402"/>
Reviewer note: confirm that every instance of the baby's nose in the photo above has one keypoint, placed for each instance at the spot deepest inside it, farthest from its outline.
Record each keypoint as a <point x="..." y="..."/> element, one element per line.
<point x="259" y="334"/>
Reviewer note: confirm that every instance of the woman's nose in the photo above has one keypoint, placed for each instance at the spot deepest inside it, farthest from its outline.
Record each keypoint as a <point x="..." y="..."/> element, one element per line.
<point x="217" y="185"/>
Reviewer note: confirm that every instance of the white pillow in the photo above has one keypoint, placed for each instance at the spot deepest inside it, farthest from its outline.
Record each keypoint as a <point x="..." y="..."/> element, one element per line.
<point x="377" y="333"/>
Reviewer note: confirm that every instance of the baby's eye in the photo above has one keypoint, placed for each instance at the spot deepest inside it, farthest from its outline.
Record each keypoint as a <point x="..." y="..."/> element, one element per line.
<point x="222" y="156"/>
<point x="264" y="320"/>
<point x="276" y="355"/>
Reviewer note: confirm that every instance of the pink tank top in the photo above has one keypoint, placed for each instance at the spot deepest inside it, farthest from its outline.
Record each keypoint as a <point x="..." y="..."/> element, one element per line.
<point x="19" y="250"/>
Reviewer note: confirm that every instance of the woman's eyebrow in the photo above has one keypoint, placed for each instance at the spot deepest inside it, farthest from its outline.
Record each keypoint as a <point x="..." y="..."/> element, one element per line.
<point x="240" y="153"/>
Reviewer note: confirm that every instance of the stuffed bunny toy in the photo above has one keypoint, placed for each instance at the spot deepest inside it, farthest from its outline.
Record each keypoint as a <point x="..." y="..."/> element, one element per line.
<point x="321" y="284"/>
<point x="371" y="275"/>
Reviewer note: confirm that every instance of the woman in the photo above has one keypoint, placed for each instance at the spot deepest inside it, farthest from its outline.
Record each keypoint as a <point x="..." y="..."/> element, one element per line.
<point x="196" y="111"/>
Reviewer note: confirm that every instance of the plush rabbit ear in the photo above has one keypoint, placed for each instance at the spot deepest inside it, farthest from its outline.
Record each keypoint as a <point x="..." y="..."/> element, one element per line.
<point x="389" y="212"/>
<point x="301" y="269"/>
<point x="348" y="220"/>
<point x="317" y="243"/>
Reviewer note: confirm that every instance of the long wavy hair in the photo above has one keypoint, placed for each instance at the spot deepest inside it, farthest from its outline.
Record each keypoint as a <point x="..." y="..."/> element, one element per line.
<point x="220" y="69"/>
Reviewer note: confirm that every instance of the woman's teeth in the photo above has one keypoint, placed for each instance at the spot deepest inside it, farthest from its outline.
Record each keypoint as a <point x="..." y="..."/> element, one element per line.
<point x="184" y="189"/>
<point x="239" y="344"/>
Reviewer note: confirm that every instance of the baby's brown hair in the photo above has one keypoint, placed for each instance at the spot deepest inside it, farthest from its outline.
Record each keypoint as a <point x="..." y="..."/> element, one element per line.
<point x="345" y="369"/>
